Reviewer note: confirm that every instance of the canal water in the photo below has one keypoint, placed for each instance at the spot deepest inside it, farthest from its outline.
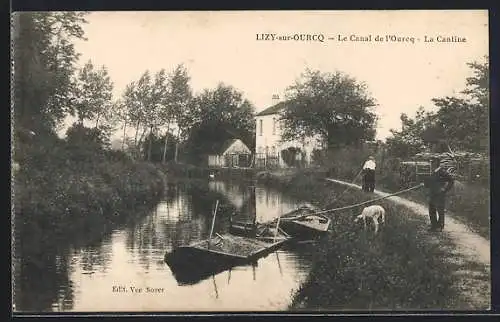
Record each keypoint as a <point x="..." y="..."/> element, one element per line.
<point x="101" y="277"/>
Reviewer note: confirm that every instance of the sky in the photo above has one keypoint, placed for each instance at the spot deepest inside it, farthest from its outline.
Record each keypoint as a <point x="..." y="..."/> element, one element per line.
<point x="222" y="46"/>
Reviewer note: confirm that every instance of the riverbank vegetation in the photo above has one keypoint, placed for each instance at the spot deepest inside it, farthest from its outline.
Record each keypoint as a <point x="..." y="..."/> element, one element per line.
<point x="468" y="201"/>
<point x="397" y="270"/>
<point x="70" y="178"/>
<point x="76" y="184"/>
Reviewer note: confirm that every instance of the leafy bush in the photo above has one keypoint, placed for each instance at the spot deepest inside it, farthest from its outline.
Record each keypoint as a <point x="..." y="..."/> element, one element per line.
<point x="69" y="187"/>
<point x="87" y="138"/>
<point x="288" y="155"/>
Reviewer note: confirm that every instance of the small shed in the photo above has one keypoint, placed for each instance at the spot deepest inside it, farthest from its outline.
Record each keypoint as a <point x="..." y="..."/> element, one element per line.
<point x="413" y="171"/>
<point x="232" y="153"/>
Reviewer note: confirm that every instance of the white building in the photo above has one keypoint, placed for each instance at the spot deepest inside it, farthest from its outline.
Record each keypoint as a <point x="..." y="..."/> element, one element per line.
<point x="269" y="144"/>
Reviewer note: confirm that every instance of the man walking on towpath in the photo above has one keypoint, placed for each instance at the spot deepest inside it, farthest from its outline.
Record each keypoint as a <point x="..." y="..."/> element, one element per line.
<point x="369" y="174"/>
<point x="439" y="183"/>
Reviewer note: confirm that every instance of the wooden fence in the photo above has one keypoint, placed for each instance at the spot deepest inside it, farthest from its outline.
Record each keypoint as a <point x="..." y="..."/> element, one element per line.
<point x="263" y="161"/>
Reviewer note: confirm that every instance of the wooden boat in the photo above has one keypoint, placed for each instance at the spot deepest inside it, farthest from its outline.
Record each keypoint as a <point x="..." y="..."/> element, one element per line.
<point x="242" y="227"/>
<point x="199" y="260"/>
<point x="304" y="223"/>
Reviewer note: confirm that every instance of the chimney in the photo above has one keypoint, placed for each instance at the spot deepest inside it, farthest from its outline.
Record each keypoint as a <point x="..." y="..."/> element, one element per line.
<point x="275" y="99"/>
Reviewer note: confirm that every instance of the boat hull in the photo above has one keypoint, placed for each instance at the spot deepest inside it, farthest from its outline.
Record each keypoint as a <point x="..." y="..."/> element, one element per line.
<point x="192" y="264"/>
<point x="303" y="223"/>
<point x="299" y="231"/>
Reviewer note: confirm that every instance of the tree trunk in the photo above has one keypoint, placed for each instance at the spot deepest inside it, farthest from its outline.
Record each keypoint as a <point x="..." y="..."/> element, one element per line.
<point x="150" y="142"/>
<point x="124" y="131"/>
<point x="136" y="143"/>
<point x="136" y="132"/>
<point x="80" y="120"/>
<point x="177" y="146"/>
<point x="139" y="143"/>
<point x="141" y="138"/>
<point x="164" y="158"/>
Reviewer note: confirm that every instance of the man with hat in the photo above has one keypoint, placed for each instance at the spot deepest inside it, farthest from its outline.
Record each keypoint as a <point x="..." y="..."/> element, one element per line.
<point x="439" y="183"/>
<point x="369" y="174"/>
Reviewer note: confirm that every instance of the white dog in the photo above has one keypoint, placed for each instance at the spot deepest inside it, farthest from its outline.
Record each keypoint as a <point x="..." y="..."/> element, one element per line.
<point x="375" y="212"/>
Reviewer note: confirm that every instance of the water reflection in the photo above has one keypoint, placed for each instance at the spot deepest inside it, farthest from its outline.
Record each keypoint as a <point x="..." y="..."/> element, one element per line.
<point x="263" y="203"/>
<point x="83" y="278"/>
<point x="39" y="281"/>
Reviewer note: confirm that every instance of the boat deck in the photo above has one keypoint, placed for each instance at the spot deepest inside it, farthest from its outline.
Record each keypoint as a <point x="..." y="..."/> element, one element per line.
<point x="238" y="246"/>
<point x="313" y="223"/>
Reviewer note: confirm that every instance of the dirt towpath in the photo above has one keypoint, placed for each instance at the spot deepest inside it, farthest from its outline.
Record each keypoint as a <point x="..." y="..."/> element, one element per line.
<point x="470" y="252"/>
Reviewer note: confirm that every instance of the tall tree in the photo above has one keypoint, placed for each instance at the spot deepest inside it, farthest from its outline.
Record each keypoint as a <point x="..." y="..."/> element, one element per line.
<point x="478" y="84"/>
<point x="332" y="105"/>
<point x="121" y="113"/>
<point x="132" y="114"/>
<point x="180" y="96"/>
<point x="156" y="104"/>
<point x="462" y="122"/>
<point x="44" y="63"/>
<point x="93" y="93"/>
<point x="141" y="98"/>
<point x="148" y="105"/>
<point x="410" y="139"/>
<point x="218" y="115"/>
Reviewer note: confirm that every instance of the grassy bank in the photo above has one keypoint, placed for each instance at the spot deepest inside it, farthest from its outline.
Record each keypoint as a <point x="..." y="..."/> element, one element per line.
<point x="397" y="270"/>
<point x="468" y="201"/>
<point x="184" y="170"/>
<point x="65" y="191"/>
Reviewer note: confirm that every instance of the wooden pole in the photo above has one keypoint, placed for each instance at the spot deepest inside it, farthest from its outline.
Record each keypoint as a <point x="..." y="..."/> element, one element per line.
<point x="213" y="223"/>
<point x="277" y="226"/>
<point x="279" y="265"/>
<point x="215" y="287"/>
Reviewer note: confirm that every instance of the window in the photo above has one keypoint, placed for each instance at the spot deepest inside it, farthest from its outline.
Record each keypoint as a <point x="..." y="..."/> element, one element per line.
<point x="260" y="124"/>
<point x="274" y="126"/>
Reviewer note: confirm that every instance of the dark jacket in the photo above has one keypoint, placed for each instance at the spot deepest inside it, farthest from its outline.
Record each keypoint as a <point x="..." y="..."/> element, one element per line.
<point x="439" y="183"/>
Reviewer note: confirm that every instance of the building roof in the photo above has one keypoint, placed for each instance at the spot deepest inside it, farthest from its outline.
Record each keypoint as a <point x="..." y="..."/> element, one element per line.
<point x="220" y="148"/>
<point x="273" y="109"/>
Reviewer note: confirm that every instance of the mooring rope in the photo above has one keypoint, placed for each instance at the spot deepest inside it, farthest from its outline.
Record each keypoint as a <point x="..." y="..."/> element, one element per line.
<point x="369" y="201"/>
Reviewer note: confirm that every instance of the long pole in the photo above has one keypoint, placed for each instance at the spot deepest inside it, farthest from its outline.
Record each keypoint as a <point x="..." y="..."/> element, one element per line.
<point x="369" y="201"/>
<point x="277" y="225"/>
<point x="213" y="222"/>
<point x="349" y="187"/>
<point x="279" y="265"/>
<point x="215" y="287"/>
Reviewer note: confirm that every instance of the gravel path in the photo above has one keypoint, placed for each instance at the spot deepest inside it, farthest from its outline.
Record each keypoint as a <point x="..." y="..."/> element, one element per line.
<point x="470" y="251"/>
